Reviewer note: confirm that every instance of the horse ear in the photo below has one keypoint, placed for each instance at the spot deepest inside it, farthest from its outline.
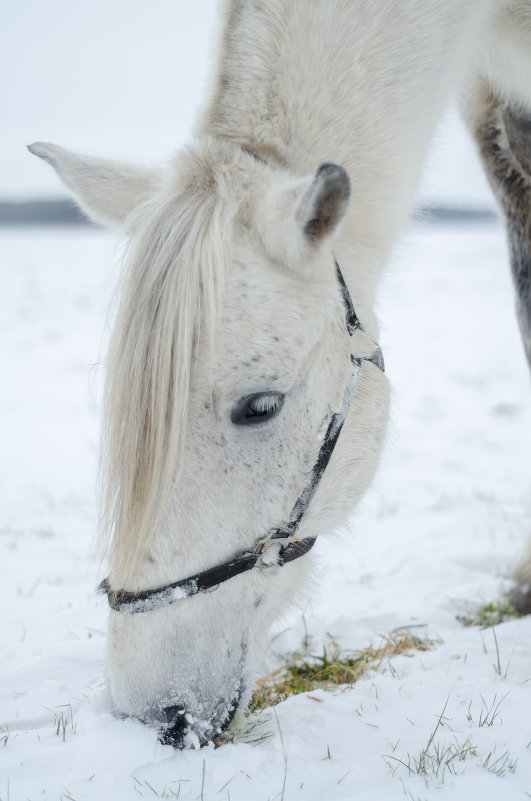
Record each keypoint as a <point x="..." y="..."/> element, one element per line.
<point x="107" y="191"/>
<point x="324" y="203"/>
<point x="298" y="214"/>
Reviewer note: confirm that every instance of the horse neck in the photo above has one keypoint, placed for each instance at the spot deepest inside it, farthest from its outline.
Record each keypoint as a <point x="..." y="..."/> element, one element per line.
<point x="356" y="82"/>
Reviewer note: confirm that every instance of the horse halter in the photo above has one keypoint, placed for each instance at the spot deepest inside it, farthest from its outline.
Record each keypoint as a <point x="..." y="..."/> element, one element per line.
<point x="280" y="545"/>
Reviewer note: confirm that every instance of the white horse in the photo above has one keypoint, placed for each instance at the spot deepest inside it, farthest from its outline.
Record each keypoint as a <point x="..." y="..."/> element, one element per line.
<point x="236" y="354"/>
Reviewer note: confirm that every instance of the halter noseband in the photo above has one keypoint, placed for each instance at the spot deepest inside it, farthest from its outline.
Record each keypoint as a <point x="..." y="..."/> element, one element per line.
<point x="280" y="545"/>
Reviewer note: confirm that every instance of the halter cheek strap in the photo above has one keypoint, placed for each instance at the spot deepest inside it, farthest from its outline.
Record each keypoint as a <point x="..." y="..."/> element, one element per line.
<point x="280" y="545"/>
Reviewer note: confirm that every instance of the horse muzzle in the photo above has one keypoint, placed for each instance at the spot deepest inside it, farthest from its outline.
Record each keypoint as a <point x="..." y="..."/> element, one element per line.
<point x="186" y="730"/>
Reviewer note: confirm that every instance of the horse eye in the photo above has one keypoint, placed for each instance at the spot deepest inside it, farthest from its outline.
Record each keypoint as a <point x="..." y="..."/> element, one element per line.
<point x="258" y="408"/>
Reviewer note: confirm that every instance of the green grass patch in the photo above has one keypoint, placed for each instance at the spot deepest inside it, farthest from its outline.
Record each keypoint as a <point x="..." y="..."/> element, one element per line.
<point x="303" y="672"/>
<point x="490" y="614"/>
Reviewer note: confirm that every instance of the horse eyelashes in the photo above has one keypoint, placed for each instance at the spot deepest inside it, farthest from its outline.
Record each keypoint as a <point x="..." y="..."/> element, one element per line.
<point x="265" y="404"/>
<point x="257" y="408"/>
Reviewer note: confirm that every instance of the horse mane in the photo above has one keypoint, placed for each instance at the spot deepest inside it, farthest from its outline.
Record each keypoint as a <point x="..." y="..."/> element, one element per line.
<point x="169" y="295"/>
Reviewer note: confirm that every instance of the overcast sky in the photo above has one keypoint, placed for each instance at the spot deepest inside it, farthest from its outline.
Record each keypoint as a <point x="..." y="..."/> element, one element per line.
<point x="117" y="77"/>
<point x="124" y="78"/>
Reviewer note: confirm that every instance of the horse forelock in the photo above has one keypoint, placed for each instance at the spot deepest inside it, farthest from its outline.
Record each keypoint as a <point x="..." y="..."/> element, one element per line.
<point x="170" y="294"/>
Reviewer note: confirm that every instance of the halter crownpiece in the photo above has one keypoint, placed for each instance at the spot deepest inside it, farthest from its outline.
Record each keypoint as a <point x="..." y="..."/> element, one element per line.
<point x="280" y="545"/>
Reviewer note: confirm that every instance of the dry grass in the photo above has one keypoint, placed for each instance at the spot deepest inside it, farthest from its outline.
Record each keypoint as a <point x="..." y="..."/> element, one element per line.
<point x="437" y="759"/>
<point x="303" y="672"/>
<point x="63" y="720"/>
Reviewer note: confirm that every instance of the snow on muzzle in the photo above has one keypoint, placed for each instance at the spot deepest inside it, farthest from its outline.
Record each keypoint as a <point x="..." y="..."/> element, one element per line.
<point x="186" y="730"/>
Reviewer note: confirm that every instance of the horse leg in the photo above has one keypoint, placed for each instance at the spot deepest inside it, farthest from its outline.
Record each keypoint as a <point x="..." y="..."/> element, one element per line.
<point x="503" y="134"/>
<point x="502" y="130"/>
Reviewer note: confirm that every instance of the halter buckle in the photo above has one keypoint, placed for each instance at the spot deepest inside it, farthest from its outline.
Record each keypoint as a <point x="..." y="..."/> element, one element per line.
<point x="280" y="537"/>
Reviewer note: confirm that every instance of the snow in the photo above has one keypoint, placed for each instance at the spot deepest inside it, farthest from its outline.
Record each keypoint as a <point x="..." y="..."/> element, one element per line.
<point x="434" y="539"/>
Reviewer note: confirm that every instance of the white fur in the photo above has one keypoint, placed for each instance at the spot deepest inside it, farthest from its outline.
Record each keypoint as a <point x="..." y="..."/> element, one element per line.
<point x="223" y="296"/>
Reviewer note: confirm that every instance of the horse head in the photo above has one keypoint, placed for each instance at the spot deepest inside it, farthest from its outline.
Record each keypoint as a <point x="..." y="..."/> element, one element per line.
<point x="228" y="359"/>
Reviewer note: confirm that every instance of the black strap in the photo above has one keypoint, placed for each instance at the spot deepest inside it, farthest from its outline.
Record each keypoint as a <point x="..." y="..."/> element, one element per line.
<point x="131" y="603"/>
<point x="351" y="318"/>
<point x="321" y="463"/>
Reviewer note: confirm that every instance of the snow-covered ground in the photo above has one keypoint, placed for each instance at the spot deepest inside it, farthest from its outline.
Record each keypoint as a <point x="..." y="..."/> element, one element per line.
<point x="434" y="539"/>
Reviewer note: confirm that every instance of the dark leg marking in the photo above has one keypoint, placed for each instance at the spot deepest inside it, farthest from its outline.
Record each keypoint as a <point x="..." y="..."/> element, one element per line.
<point x="503" y="133"/>
<point x="520" y="598"/>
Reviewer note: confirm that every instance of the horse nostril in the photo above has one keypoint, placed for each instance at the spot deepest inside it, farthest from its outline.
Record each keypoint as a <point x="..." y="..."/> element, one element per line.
<point x="177" y="728"/>
<point x="232" y="711"/>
